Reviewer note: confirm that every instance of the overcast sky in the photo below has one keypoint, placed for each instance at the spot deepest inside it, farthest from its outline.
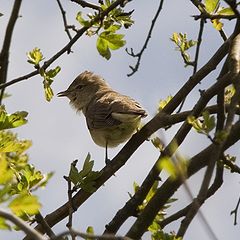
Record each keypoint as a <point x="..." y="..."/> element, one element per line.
<point x="60" y="135"/>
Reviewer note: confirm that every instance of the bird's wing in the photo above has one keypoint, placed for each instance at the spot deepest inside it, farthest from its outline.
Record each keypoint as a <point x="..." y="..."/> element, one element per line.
<point x="112" y="109"/>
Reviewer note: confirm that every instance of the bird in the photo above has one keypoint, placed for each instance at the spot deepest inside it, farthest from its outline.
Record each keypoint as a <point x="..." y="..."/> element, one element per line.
<point x="111" y="118"/>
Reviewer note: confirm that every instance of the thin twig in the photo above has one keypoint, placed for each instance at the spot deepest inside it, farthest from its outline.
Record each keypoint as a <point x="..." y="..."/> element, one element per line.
<point x="63" y="12"/>
<point x="87" y="4"/>
<point x="195" y="65"/>
<point x="4" y="55"/>
<point x="235" y="211"/>
<point x="139" y="55"/>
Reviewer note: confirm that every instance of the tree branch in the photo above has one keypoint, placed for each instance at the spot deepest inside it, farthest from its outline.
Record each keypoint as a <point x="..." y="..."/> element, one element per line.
<point x="218" y="180"/>
<point x="66" y="26"/>
<point x="169" y="187"/>
<point x="87" y="4"/>
<point x="4" y="55"/>
<point x="22" y="225"/>
<point x="139" y="55"/>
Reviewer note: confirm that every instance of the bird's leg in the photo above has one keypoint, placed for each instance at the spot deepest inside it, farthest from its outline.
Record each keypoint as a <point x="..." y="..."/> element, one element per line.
<point x="107" y="160"/>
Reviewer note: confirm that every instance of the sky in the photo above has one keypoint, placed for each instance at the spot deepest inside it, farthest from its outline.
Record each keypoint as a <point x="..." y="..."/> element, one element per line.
<point x="59" y="135"/>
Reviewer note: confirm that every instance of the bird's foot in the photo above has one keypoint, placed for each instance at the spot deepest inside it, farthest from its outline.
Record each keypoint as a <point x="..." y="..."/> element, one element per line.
<point x="107" y="161"/>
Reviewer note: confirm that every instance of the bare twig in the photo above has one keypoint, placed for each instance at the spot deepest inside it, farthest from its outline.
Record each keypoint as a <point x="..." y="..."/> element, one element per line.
<point x="22" y="225"/>
<point x="87" y="4"/>
<point x="235" y="211"/>
<point x="4" y="55"/>
<point x="139" y="55"/>
<point x="63" y="12"/>
<point x="195" y="62"/>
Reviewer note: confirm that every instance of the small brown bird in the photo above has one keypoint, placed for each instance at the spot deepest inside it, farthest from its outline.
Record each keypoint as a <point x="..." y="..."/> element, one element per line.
<point x="112" y="118"/>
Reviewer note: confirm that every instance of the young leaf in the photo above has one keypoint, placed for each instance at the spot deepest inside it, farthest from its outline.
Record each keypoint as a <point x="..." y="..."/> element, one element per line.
<point x="81" y="20"/>
<point x="217" y="24"/>
<point x="167" y="164"/>
<point x="13" y="120"/>
<point x="226" y="11"/>
<point x="35" y="56"/>
<point x="74" y="175"/>
<point x="109" y="40"/>
<point x="25" y="204"/>
<point x="163" y="103"/>
<point x="211" y="5"/>
<point x="6" y="174"/>
<point x="87" y="166"/>
<point x="4" y="225"/>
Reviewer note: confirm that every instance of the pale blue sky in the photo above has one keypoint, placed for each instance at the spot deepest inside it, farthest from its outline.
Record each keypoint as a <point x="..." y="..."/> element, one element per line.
<point x="60" y="135"/>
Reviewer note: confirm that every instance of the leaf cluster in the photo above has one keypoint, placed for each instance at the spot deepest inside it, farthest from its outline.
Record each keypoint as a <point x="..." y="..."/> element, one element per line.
<point x="204" y="124"/>
<point x="106" y="29"/>
<point x="84" y="178"/>
<point x="17" y="177"/>
<point x="213" y="7"/>
<point x="35" y="57"/>
<point x="183" y="45"/>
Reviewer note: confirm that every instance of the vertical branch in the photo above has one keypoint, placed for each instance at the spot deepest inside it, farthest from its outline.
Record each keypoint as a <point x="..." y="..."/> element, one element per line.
<point x="4" y="55"/>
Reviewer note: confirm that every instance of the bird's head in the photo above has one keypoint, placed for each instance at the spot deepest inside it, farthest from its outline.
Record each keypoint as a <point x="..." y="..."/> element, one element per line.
<point x="83" y="89"/>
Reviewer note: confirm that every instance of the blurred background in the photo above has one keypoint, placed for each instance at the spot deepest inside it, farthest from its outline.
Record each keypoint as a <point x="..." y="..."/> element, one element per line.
<point x="59" y="135"/>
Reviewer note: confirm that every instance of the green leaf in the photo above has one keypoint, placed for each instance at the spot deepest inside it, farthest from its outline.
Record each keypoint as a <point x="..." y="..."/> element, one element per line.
<point x="87" y="166"/>
<point x="208" y="122"/>
<point x="103" y="49"/>
<point x="53" y="72"/>
<point x="90" y="230"/>
<point x="226" y="11"/>
<point x="10" y="143"/>
<point x="35" y="56"/>
<point x="211" y="5"/>
<point x="158" y="143"/>
<point x="6" y="174"/>
<point x="167" y="164"/>
<point x="48" y="80"/>
<point x="13" y="120"/>
<point x="217" y="24"/>
<point x="74" y="175"/>
<point x="81" y="20"/>
<point x="25" y="204"/>
<point x="163" y="103"/>
<point x="4" y="225"/>
<point x="108" y="40"/>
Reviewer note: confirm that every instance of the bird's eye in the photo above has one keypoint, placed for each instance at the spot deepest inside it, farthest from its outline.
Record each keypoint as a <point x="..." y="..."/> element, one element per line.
<point x="79" y="87"/>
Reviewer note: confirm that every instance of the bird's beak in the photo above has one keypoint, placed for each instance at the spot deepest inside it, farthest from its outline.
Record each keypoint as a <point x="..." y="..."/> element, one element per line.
<point x="63" y="94"/>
